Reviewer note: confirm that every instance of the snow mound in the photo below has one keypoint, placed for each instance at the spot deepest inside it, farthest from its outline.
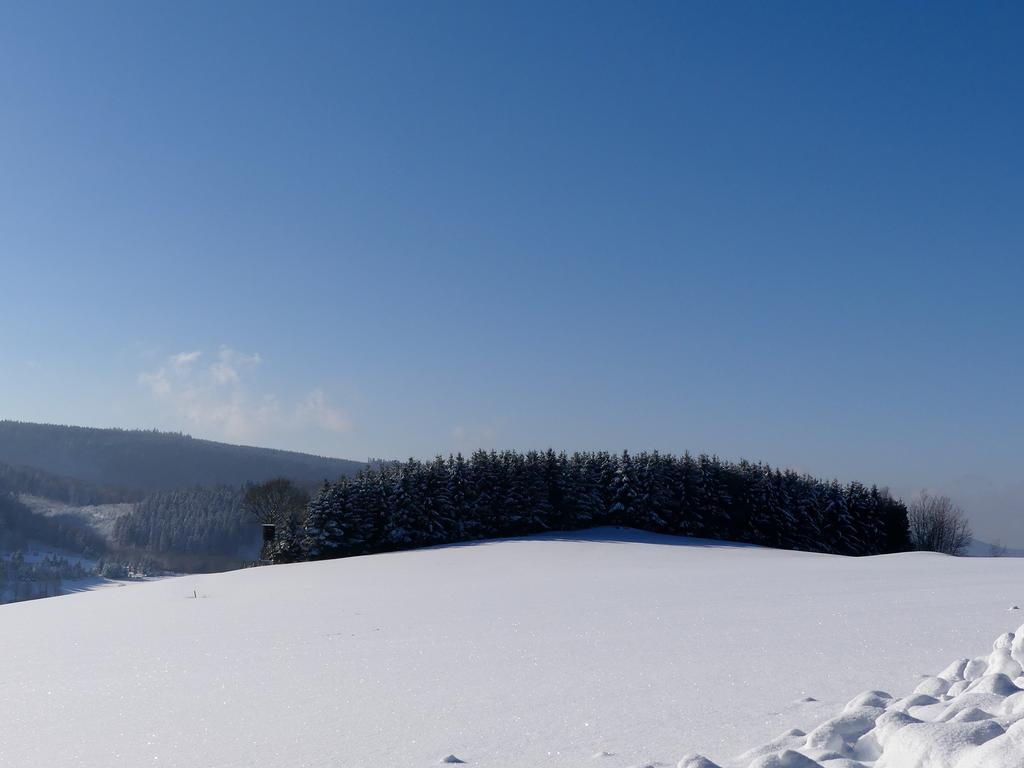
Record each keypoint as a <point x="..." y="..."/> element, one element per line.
<point x="970" y="715"/>
<point x="696" y="761"/>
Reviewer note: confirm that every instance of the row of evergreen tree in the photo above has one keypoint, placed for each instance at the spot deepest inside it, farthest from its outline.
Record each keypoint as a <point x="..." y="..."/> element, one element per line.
<point x="413" y="504"/>
<point x="22" y="578"/>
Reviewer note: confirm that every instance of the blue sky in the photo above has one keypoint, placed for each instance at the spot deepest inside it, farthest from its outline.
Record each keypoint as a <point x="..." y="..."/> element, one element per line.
<point x="789" y="232"/>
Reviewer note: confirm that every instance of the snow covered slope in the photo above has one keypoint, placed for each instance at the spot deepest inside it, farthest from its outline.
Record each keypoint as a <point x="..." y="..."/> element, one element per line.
<point x="606" y="649"/>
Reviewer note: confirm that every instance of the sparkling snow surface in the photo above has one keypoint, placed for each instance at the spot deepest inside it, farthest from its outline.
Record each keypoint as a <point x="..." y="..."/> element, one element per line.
<point x="607" y="649"/>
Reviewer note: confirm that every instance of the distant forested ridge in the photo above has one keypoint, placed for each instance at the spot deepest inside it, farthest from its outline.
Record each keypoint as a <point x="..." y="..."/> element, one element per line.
<point x="20" y="527"/>
<point x="413" y="504"/>
<point x="77" y="493"/>
<point x="180" y="496"/>
<point x="134" y="460"/>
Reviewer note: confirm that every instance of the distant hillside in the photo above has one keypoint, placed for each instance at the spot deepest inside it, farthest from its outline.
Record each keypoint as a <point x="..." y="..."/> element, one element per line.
<point x="33" y="481"/>
<point x="155" y="461"/>
<point x="980" y="548"/>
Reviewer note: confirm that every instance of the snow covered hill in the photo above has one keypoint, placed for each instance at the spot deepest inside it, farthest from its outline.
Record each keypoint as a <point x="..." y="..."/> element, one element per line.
<point x="606" y="649"/>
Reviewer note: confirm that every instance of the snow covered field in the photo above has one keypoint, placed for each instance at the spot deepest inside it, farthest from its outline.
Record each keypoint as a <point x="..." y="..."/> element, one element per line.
<point x="606" y="649"/>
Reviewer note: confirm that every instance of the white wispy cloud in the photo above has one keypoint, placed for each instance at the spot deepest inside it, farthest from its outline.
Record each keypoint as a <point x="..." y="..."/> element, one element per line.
<point x="315" y="409"/>
<point x="229" y="365"/>
<point x="218" y="396"/>
<point x="185" y="359"/>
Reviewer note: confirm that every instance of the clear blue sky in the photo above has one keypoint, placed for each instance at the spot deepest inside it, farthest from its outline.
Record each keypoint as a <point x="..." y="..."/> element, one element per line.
<point x="783" y="231"/>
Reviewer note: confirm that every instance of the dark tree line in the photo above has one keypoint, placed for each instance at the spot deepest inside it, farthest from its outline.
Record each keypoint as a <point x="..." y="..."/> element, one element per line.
<point x="413" y="504"/>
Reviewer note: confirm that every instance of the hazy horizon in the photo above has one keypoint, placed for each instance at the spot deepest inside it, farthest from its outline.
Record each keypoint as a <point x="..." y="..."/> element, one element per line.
<point x="787" y="234"/>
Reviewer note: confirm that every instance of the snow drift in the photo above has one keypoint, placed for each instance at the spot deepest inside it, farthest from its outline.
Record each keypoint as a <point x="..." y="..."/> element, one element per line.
<point x="970" y="715"/>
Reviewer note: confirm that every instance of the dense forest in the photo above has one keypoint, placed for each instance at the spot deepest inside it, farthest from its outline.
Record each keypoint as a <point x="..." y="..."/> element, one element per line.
<point x="200" y="527"/>
<point x="195" y="529"/>
<point x="414" y="504"/>
<point x="155" y="461"/>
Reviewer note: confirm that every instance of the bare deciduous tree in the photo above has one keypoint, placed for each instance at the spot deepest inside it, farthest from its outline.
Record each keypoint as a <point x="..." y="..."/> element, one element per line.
<point x="938" y="525"/>
<point x="276" y="501"/>
<point x="997" y="549"/>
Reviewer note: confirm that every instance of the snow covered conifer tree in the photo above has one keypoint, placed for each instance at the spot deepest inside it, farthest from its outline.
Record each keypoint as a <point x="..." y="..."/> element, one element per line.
<point x="405" y="521"/>
<point x="539" y="512"/>
<point x="583" y="505"/>
<point x="688" y="495"/>
<point x="759" y="504"/>
<point x="555" y="471"/>
<point x="323" y="533"/>
<point x="515" y="494"/>
<point x="713" y="500"/>
<point x="895" y="525"/>
<point x="485" y="470"/>
<point x="652" y="507"/>
<point x="623" y="491"/>
<point x="458" y="494"/>
<point x="786" y="491"/>
<point x="858" y="522"/>
<point x="440" y="524"/>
